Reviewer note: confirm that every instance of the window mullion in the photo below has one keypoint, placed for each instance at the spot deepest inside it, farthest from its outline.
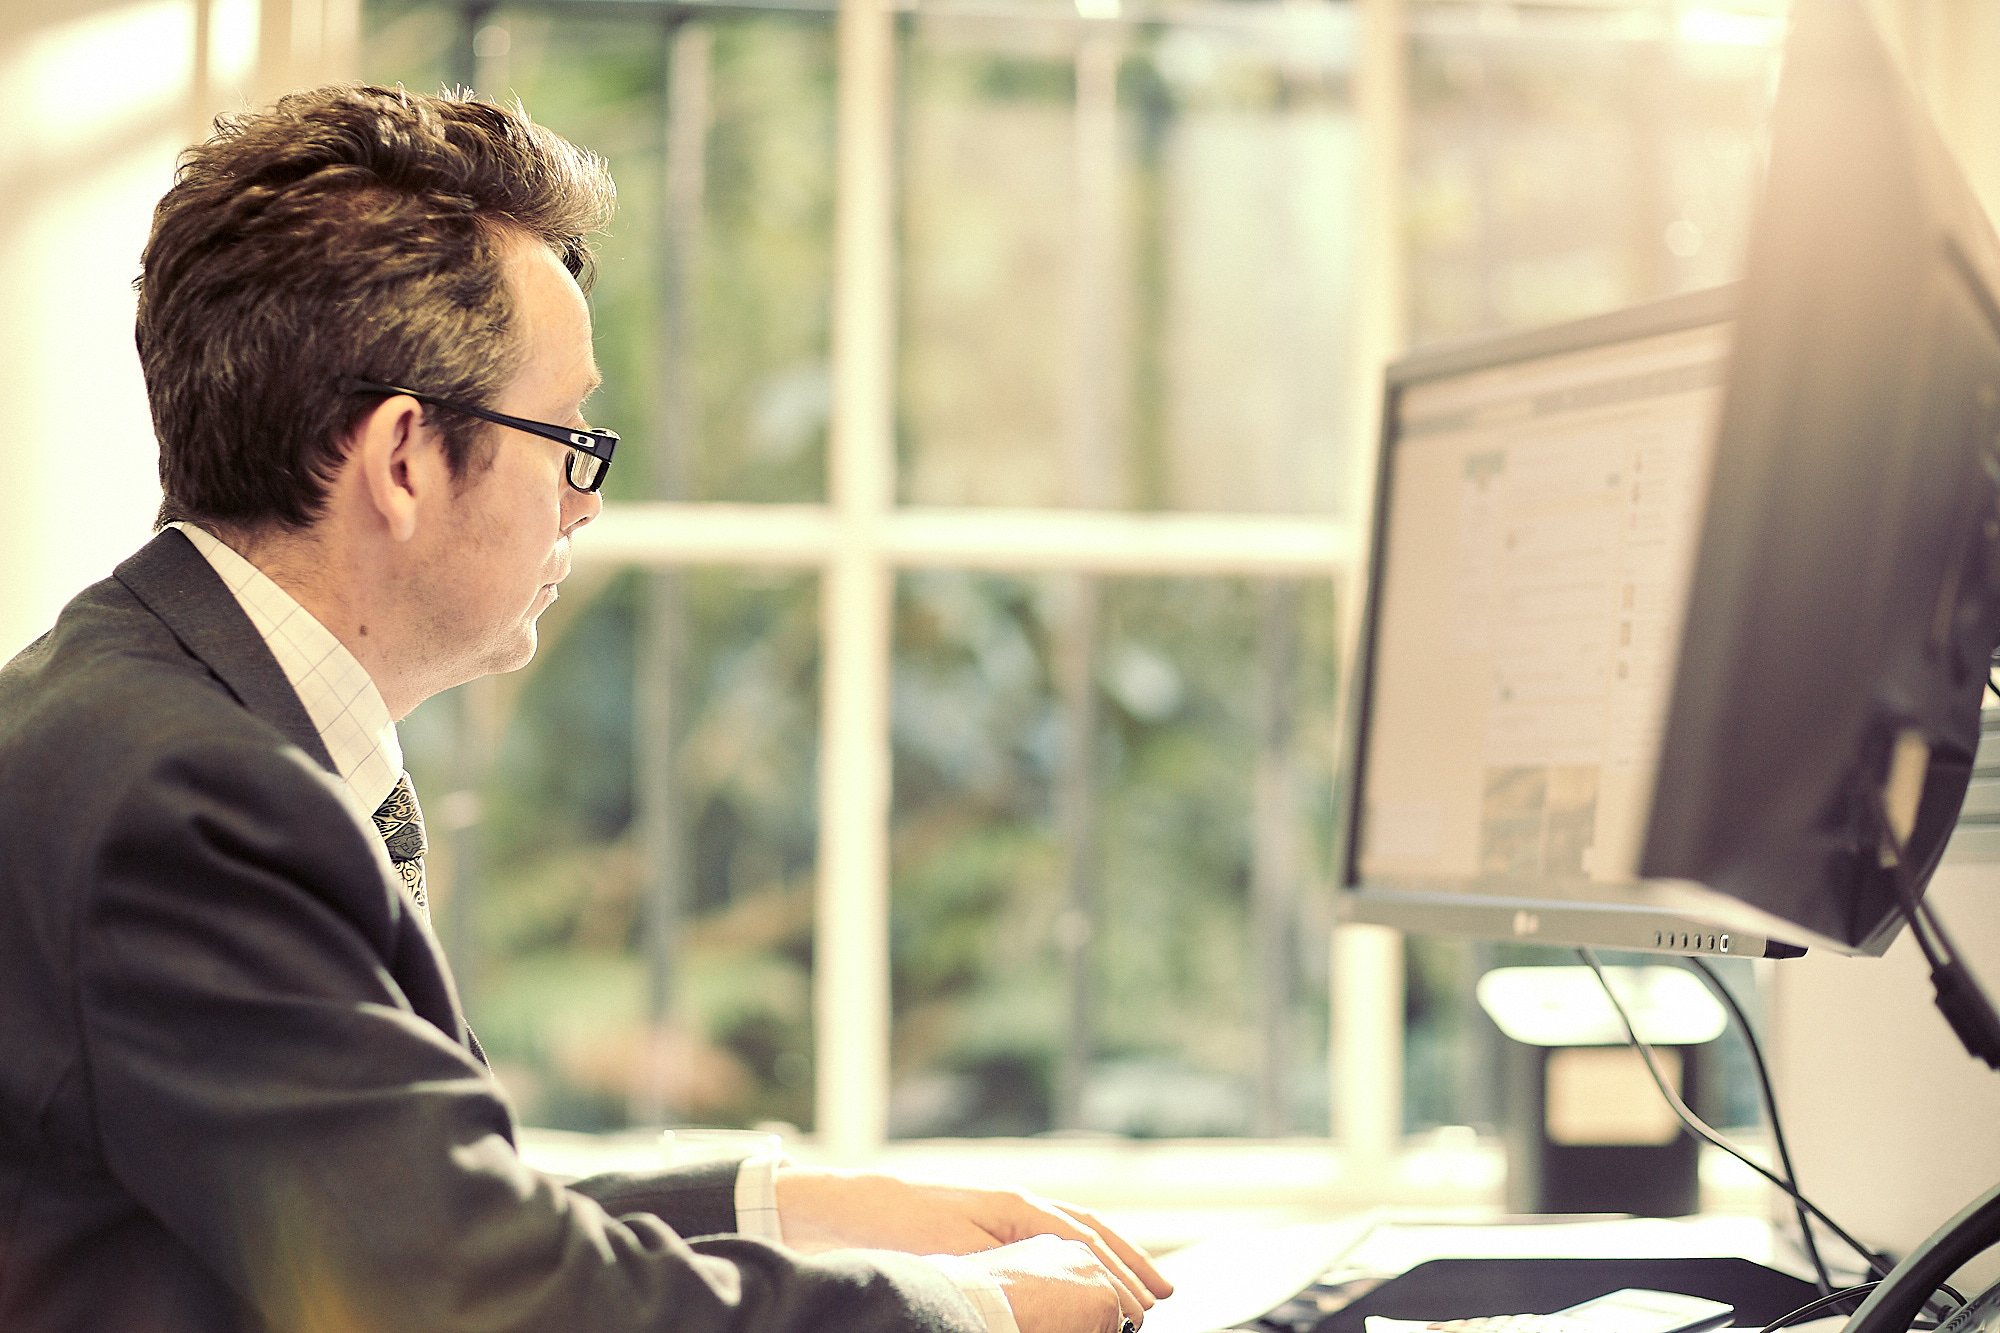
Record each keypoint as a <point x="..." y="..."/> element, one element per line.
<point x="851" y="929"/>
<point x="1367" y="978"/>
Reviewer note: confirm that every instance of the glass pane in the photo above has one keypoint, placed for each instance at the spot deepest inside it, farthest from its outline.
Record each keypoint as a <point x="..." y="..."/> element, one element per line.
<point x="623" y="851"/>
<point x="1127" y="263"/>
<point x="714" y="285"/>
<point x="1112" y="809"/>
<point x="1566" y="165"/>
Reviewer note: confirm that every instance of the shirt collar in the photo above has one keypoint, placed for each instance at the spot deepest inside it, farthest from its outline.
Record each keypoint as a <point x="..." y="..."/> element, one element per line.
<point x="345" y="707"/>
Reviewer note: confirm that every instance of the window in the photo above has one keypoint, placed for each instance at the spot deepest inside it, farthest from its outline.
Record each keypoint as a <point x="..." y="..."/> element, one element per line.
<point x="965" y="766"/>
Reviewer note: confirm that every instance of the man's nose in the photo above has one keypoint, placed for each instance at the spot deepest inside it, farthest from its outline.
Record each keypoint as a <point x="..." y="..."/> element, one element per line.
<point x="580" y="508"/>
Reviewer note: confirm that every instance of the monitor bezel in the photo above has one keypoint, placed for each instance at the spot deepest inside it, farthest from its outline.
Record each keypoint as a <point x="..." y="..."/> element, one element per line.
<point x="1659" y="916"/>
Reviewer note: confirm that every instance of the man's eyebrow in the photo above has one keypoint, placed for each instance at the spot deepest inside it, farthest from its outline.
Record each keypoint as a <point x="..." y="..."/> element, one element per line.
<point x="590" y="388"/>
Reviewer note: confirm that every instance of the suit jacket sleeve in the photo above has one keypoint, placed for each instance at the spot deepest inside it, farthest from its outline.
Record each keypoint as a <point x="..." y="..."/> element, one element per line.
<point x="697" y="1200"/>
<point x="264" y="1087"/>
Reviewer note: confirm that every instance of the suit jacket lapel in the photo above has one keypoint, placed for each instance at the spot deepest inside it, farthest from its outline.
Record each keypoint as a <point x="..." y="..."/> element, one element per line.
<point x="180" y="587"/>
<point x="183" y="590"/>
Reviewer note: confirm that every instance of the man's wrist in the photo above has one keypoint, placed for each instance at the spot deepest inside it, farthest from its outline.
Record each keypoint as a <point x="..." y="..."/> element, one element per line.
<point x="757" y="1215"/>
<point x="981" y="1288"/>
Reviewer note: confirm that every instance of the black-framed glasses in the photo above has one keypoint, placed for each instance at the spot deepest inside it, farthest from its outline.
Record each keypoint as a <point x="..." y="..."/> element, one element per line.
<point x="590" y="448"/>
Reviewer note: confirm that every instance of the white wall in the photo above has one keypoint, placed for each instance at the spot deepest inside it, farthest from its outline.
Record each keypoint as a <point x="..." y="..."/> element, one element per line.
<point x="1893" y="1126"/>
<point x="100" y="95"/>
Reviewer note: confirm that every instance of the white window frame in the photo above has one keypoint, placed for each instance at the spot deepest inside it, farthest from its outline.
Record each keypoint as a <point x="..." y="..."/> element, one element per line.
<point x="860" y="540"/>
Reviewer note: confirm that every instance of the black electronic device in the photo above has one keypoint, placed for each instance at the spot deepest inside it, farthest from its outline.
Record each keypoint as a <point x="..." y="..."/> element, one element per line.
<point x="1845" y="601"/>
<point x="1471" y="1288"/>
<point x="1629" y="1309"/>
<point x="1538" y="512"/>
<point x="1626" y="1310"/>
<point x="1680" y="619"/>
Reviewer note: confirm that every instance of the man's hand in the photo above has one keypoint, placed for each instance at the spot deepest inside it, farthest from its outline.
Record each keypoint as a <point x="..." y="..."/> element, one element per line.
<point x="820" y="1210"/>
<point x="1058" y="1286"/>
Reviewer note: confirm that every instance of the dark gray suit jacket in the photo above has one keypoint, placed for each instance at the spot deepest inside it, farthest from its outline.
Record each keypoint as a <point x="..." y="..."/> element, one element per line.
<point x="235" y="1090"/>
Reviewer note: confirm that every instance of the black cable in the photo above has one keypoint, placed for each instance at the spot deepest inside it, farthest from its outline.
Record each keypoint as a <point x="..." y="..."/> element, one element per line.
<point x="1715" y="983"/>
<point x="1923" y="922"/>
<point x="1877" y="1265"/>
<point x="1820" y="1306"/>
<point x="1935" y="946"/>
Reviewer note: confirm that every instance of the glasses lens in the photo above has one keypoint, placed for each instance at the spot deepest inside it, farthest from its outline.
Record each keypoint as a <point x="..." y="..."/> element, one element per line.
<point x="586" y="471"/>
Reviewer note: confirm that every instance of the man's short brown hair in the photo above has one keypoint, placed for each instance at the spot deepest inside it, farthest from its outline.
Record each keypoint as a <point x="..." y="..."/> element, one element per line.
<point x="347" y="231"/>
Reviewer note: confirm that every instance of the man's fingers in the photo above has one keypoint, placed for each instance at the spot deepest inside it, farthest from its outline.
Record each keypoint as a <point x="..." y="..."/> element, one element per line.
<point x="1094" y="1258"/>
<point x="1132" y="1305"/>
<point x="1058" y="1285"/>
<point x="1132" y="1295"/>
<point x="1134" y="1260"/>
<point x="1131" y="1309"/>
<point x="1059" y="1221"/>
<point x="1132" y="1302"/>
<point x="1012" y="1217"/>
<point x="1140" y="1282"/>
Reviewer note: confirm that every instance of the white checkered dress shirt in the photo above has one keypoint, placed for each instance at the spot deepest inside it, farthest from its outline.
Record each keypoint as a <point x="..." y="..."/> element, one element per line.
<point x="345" y="707"/>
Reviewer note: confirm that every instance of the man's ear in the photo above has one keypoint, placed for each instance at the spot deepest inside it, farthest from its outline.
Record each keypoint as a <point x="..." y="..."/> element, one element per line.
<point x="399" y="462"/>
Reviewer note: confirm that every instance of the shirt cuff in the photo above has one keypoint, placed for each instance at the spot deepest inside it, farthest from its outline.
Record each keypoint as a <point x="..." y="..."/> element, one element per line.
<point x="979" y="1288"/>
<point x="757" y="1200"/>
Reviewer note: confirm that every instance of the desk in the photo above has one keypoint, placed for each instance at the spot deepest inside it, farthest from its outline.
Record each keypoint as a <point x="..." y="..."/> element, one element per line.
<point x="1230" y="1279"/>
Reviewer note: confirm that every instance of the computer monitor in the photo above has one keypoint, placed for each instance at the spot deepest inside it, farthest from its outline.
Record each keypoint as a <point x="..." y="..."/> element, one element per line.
<point x="1538" y="512"/>
<point x="1668" y="607"/>
<point x="1846" y="601"/>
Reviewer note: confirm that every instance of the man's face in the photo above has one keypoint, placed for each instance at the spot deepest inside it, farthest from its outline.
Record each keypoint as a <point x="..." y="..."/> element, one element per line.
<point x="505" y="540"/>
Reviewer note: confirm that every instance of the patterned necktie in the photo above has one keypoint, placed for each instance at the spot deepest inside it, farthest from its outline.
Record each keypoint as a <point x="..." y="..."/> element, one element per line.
<point x="401" y="824"/>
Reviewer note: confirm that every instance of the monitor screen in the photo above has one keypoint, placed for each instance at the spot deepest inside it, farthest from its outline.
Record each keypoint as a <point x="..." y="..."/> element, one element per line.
<point x="1540" y="505"/>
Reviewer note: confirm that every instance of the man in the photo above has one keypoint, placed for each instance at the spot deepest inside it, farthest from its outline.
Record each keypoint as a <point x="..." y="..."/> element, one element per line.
<point x="237" y="1089"/>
